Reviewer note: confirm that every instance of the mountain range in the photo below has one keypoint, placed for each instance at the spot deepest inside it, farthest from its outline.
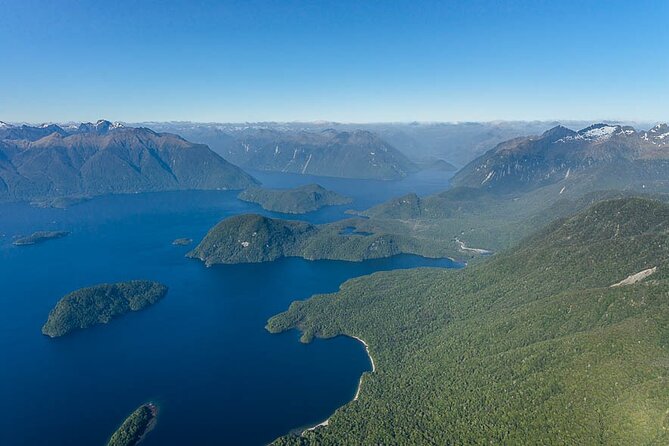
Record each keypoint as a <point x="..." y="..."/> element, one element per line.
<point x="422" y="142"/>
<point x="50" y="161"/>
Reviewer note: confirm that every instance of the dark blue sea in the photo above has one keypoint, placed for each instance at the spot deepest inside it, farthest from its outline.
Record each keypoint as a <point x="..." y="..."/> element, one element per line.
<point x="202" y="353"/>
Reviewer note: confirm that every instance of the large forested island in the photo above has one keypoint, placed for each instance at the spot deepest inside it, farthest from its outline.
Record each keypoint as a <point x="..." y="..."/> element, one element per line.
<point x="40" y="237"/>
<point x="135" y="427"/>
<point x="251" y="238"/>
<point x="299" y="200"/>
<point x="99" y="304"/>
<point x="561" y="340"/>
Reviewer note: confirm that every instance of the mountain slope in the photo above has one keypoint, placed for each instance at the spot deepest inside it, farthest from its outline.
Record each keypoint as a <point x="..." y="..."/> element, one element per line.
<point x="105" y="158"/>
<point x="533" y="346"/>
<point x="597" y="154"/>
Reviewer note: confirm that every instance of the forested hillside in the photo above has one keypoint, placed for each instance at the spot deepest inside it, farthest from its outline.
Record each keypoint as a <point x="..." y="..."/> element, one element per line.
<point x="534" y="346"/>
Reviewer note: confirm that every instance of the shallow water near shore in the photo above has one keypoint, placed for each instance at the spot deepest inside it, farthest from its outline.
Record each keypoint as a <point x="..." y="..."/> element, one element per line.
<point x="202" y="353"/>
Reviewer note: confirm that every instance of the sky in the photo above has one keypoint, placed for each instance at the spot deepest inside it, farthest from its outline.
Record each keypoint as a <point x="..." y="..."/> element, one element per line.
<point x="340" y="60"/>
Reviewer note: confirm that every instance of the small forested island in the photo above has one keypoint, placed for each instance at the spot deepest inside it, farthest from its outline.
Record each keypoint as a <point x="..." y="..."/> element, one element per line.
<point x="299" y="200"/>
<point x="182" y="241"/>
<point x="40" y="237"/>
<point x="99" y="304"/>
<point x="136" y="426"/>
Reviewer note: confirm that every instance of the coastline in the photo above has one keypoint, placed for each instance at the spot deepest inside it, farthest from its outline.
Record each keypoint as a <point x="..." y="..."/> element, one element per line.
<point x="357" y="392"/>
<point x="152" y="423"/>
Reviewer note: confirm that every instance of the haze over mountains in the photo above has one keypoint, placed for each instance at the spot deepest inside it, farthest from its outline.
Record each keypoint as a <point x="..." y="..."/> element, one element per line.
<point x="457" y="143"/>
<point x="49" y="161"/>
<point x="93" y="159"/>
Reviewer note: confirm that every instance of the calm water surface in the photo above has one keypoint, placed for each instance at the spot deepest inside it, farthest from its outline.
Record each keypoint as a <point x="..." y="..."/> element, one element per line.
<point x="201" y="353"/>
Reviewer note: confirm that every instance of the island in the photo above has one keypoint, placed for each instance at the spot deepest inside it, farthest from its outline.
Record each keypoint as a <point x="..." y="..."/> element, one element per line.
<point x="60" y="202"/>
<point x="251" y="238"/>
<point x="99" y="304"/>
<point x="182" y="241"/>
<point x="136" y="426"/>
<point x="40" y="237"/>
<point x="299" y="200"/>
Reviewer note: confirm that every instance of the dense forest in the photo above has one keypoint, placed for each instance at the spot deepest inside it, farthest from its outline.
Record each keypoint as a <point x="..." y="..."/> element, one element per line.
<point x="252" y="238"/>
<point x="533" y="346"/>
<point x="99" y="304"/>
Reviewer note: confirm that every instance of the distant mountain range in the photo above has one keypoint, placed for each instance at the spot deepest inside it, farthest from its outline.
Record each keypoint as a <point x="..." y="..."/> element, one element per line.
<point x="601" y="156"/>
<point x="304" y="148"/>
<point x="357" y="154"/>
<point x="422" y="142"/>
<point x="50" y="161"/>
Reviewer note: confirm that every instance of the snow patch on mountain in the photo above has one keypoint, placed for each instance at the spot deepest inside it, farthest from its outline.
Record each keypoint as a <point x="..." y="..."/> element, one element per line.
<point x="596" y="133"/>
<point x="599" y="133"/>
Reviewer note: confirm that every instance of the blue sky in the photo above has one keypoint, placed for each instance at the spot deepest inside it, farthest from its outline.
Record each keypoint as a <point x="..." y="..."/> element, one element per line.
<point x="353" y="61"/>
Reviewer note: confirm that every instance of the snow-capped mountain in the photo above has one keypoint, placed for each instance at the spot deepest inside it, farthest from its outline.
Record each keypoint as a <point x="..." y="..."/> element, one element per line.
<point x="561" y="153"/>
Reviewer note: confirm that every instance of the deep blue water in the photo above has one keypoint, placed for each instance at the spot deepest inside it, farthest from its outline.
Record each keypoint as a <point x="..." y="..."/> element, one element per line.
<point x="201" y="353"/>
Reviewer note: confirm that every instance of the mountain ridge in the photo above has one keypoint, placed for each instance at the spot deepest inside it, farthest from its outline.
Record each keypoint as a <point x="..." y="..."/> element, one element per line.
<point x="529" y="162"/>
<point x="95" y="159"/>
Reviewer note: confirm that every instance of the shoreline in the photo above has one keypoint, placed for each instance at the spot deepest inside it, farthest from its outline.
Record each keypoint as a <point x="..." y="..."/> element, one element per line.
<point x="357" y="392"/>
<point x="153" y="407"/>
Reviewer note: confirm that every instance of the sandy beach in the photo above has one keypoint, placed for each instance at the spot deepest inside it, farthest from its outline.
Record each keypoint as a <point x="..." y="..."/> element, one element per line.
<point x="357" y="392"/>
